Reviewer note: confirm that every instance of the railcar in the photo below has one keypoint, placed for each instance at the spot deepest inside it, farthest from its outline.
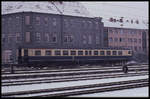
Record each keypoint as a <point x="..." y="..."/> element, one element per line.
<point x="46" y="55"/>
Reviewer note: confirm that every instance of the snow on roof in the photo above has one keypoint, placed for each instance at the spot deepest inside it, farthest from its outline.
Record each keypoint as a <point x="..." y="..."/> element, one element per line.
<point x="66" y="8"/>
<point x="125" y="23"/>
<point x="128" y="10"/>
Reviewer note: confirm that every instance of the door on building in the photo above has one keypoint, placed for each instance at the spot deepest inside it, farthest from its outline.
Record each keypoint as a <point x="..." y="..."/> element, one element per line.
<point x="7" y="56"/>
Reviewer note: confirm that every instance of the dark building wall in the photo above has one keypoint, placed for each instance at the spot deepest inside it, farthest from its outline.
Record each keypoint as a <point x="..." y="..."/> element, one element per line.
<point x="28" y="29"/>
<point x="12" y="36"/>
<point x="70" y="31"/>
<point x="43" y="28"/>
<point x="144" y="41"/>
<point x="84" y="32"/>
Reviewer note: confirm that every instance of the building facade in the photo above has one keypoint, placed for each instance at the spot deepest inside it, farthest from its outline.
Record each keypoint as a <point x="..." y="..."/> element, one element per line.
<point x="126" y="34"/>
<point x="127" y="38"/>
<point x="37" y="30"/>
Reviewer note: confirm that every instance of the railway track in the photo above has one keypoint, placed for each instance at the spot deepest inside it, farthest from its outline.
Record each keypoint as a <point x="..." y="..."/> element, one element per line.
<point x="69" y="75"/>
<point x="80" y="90"/>
<point x="68" y="78"/>
<point x="68" y="72"/>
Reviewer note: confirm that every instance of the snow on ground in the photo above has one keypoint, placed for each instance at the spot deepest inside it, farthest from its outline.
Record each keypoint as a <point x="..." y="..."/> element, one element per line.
<point x="65" y="84"/>
<point x="135" y="92"/>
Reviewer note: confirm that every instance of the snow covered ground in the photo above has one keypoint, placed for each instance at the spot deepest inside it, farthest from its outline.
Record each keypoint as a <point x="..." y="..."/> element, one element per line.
<point x="135" y="92"/>
<point x="66" y="84"/>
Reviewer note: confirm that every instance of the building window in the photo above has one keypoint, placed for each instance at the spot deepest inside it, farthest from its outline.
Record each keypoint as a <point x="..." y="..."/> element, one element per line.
<point x="83" y="24"/>
<point x="66" y="24"/>
<point x="90" y="24"/>
<point x="84" y="39"/>
<point x="68" y="38"/>
<point x="47" y="38"/>
<point x="18" y="38"/>
<point x="38" y="20"/>
<point x="97" y="40"/>
<point x="120" y="39"/>
<point x="7" y="56"/>
<point x="46" y="21"/>
<point x="140" y="41"/>
<point x="135" y="48"/>
<point x="38" y="36"/>
<point x="135" y="40"/>
<point x="54" y="38"/>
<point x="27" y="39"/>
<point x="54" y="22"/>
<point x="110" y="31"/>
<point x="130" y="40"/>
<point x="27" y="20"/>
<point x="3" y="38"/>
<point x="123" y="40"/>
<point x="96" y="25"/>
<point x="90" y="39"/>
<point x="115" y="31"/>
<point x="48" y="53"/>
<point x="116" y="39"/>
<point x="140" y="48"/>
<point x="121" y="31"/>
<point x="110" y="39"/>
<point x="65" y="38"/>
<point x="38" y="53"/>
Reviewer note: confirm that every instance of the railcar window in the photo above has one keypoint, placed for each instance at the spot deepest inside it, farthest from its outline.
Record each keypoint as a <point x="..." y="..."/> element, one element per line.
<point x="108" y="53"/>
<point x="119" y="52"/>
<point x="95" y="52"/>
<point x="129" y="52"/>
<point x="37" y="53"/>
<point x="90" y="53"/>
<point x="26" y="52"/>
<point x="80" y="52"/>
<point x="48" y="52"/>
<point x="65" y="52"/>
<point x="86" y="52"/>
<point x="57" y="52"/>
<point x="102" y="53"/>
<point x="73" y="52"/>
<point x="114" y="52"/>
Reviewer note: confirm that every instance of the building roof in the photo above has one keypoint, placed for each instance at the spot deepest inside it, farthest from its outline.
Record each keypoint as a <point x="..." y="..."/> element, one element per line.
<point x="65" y="8"/>
<point x="121" y="22"/>
<point x="128" y="10"/>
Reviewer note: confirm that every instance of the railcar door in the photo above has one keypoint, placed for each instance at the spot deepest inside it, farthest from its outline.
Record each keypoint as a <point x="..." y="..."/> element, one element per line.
<point x="19" y="56"/>
<point x="26" y="56"/>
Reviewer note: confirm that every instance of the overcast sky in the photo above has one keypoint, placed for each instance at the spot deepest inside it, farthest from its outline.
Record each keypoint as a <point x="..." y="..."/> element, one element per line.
<point x="125" y="9"/>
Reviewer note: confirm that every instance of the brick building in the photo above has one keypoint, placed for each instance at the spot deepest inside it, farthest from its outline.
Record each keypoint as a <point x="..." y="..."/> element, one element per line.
<point x="127" y="33"/>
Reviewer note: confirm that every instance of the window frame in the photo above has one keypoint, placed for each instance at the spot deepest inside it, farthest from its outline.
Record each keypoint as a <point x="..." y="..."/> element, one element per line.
<point x="36" y="51"/>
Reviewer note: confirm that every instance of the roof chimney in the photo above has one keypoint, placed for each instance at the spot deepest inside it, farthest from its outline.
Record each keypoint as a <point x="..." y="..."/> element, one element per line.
<point x="132" y="21"/>
<point x="137" y="21"/>
<point x="111" y="19"/>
